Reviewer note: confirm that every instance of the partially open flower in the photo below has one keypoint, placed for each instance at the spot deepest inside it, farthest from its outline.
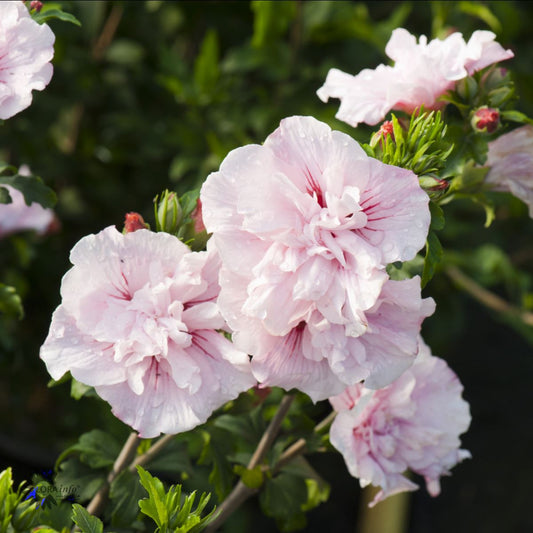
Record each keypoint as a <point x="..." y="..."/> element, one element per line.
<point x="422" y="72"/>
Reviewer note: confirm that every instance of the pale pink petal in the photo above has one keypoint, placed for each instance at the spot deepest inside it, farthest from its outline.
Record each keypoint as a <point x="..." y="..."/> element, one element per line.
<point x="26" y="49"/>
<point x="510" y="158"/>
<point x="138" y="322"/>
<point x="17" y="216"/>
<point x="413" y="423"/>
<point x="421" y="74"/>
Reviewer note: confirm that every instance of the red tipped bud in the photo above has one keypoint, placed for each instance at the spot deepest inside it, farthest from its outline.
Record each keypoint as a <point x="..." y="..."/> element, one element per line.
<point x="485" y="120"/>
<point x="386" y="129"/>
<point x="36" y="5"/>
<point x="134" y="222"/>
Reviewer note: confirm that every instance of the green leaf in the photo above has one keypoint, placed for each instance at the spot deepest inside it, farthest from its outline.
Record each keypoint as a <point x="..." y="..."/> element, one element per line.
<point x="10" y="301"/>
<point x="482" y="12"/>
<point x="516" y="116"/>
<point x="86" y="522"/>
<point x="33" y="189"/>
<point x="216" y="449"/>
<point x="271" y="20"/>
<point x="437" y="216"/>
<point x="96" y="448"/>
<point x="78" y="389"/>
<point x="5" y="197"/>
<point x="251" y="478"/>
<point x="206" y="70"/>
<point x="153" y="506"/>
<point x="83" y="480"/>
<point x="125" y="493"/>
<point x="283" y="498"/>
<point x="432" y="259"/>
<point x="49" y="14"/>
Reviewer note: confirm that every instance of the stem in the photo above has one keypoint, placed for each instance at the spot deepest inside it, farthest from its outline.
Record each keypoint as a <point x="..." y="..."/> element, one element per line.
<point x="241" y="492"/>
<point x="487" y="298"/>
<point x="147" y="456"/>
<point x="124" y="457"/>
<point x="298" y="447"/>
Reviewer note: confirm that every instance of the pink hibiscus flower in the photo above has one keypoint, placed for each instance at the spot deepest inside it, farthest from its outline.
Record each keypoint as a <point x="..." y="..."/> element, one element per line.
<point x="510" y="158"/>
<point x="26" y="49"/>
<point x="414" y="423"/>
<point x="422" y="72"/>
<point x="305" y="225"/>
<point x="138" y="322"/>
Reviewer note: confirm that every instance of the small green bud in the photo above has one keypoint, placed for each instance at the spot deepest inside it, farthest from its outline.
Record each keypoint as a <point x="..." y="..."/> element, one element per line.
<point x="168" y="213"/>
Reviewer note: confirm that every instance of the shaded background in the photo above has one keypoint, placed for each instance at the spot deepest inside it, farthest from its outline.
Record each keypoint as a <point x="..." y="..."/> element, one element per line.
<point x="152" y="95"/>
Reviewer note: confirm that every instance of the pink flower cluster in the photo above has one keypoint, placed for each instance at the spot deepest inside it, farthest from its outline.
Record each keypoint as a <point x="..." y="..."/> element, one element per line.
<point x="305" y="225"/>
<point x="26" y="49"/>
<point x="138" y="321"/>
<point x="414" y="423"/>
<point x="510" y="158"/>
<point x="422" y="72"/>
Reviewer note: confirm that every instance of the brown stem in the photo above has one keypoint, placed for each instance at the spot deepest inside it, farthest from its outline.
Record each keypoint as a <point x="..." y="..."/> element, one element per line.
<point x="147" y="456"/>
<point x="241" y="492"/>
<point x="124" y="457"/>
<point x="487" y="298"/>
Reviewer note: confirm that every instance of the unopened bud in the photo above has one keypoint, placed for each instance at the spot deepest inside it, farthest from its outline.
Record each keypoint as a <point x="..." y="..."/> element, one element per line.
<point x="485" y="120"/>
<point x="36" y="5"/>
<point x="432" y="183"/>
<point x="168" y="213"/>
<point x="134" y="222"/>
<point x="387" y="128"/>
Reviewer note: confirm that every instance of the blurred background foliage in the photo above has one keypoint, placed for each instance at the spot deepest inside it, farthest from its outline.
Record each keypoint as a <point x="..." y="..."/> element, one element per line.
<point x="153" y="95"/>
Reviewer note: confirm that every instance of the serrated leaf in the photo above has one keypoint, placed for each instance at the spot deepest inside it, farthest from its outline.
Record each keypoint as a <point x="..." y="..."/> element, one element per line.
<point x="153" y="506"/>
<point x="32" y="188"/>
<point x="96" y="448"/>
<point x="85" y="521"/>
<point x="81" y="479"/>
<point x="49" y="14"/>
<point x="432" y="259"/>
<point x="282" y="499"/>
<point x="124" y="494"/>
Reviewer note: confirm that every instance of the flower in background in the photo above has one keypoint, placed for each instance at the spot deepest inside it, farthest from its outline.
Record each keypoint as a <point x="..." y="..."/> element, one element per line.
<point x="510" y="158"/>
<point x="414" y="423"/>
<point x="422" y="72"/>
<point x="18" y="216"/>
<point x="138" y="322"/>
<point x="305" y="225"/>
<point x="26" y="49"/>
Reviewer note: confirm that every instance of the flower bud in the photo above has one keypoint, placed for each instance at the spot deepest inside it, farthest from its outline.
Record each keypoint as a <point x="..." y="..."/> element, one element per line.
<point x="485" y="120"/>
<point x="199" y="233"/>
<point x="432" y="183"/>
<point x="134" y="222"/>
<point x="168" y="213"/>
<point x="36" y="5"/>
<point x="387" y="128"/>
